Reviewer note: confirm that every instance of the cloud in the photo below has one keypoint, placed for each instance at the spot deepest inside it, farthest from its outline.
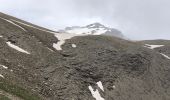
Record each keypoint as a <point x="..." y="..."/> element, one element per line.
<point x="137" y="19"/>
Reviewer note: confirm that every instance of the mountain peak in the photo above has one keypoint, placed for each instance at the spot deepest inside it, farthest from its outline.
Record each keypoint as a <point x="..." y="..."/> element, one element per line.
<point x="93" y="29"/>
<point x="95" y="25"/>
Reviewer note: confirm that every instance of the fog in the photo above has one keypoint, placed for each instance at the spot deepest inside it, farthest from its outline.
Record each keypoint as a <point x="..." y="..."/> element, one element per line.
<point x="137" y="19"/>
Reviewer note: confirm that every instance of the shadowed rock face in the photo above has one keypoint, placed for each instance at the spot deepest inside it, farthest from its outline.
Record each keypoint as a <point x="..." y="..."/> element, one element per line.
<point x="127" y="70"/>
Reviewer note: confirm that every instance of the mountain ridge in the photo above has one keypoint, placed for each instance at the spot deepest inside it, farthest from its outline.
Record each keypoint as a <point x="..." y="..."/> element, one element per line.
<point x="85" y="67"/>
<point x="93" y="29"/>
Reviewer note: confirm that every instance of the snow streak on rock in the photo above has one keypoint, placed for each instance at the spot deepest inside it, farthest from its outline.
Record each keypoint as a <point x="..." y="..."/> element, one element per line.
<point x="62" y="37"/>
<point x="100" y="85"/>
<point x="17" y="48"/>
<point x="33" y="27"/>
<point x="95" y="94"/>
<point x="1" y="76"/>
<point x="4" y="66"/>
<point x="165" y="56"/>
<point x="13" y="23"/>
<point x="152" y="46"/>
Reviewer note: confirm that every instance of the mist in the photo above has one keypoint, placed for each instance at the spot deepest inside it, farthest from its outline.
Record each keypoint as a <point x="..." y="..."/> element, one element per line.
<point x="137" y="19"/>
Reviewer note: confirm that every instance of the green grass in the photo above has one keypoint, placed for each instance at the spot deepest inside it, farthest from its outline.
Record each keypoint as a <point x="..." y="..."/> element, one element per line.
<point x="2" y="97"/>
<point x="16" y="90"/>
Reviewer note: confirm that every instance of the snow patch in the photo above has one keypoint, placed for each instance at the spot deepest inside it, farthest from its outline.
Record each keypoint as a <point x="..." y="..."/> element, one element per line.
<point x="87" y="31"/>
<point x="62" y="37"/>
<point x="4" y="66"/>
<point x="100" y="85"/>
<point x="73" y="45"/>
<point x="58" y="45"/>
<point x="114" y="86"/>
<point x="95" y="94"/>
<point x="153" y="46"/>
<point x="165" y="56"/>
<point x="1" y="36"/>
<point x="17" y="48"/>
<point x="13" y="23"/>
<point x="1" y="76"/>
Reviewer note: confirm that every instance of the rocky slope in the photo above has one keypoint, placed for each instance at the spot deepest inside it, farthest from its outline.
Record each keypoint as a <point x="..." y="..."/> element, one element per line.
<point x="165" y="48"/>
<point x="84" y="68"/>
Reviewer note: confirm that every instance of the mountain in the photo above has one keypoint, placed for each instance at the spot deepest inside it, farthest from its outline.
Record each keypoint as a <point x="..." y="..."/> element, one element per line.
<point x="93" y="29"/>
<point x="164" y="45"/>
<point x="39" y="64"/>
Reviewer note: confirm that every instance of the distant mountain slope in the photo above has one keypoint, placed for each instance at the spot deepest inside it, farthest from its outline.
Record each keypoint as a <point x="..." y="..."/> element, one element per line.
<point x="165" y="49"/>
<point x="93" y="29"/>
<point x="40" y="64"/>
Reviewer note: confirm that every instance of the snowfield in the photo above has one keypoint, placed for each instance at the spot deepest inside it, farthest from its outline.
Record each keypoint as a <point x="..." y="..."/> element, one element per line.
<point x="76" y="32"/>
<point x="62" y="37"/>
<point x="87" y="31"/>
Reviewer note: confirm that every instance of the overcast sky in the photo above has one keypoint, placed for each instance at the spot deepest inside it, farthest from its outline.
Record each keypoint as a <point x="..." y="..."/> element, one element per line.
<point x="137" y="19"/>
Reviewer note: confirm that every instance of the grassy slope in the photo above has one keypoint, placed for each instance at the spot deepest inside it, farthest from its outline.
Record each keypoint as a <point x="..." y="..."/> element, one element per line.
<point x="16" y="90"/>
<point x="2" y="97"/>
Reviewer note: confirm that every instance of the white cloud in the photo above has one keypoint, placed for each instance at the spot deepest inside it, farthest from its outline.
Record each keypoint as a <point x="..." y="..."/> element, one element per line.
<point x="138" y="19"/>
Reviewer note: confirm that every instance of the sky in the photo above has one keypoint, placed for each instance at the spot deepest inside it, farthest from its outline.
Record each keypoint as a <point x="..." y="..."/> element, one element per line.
<point x="137" y="19"/>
